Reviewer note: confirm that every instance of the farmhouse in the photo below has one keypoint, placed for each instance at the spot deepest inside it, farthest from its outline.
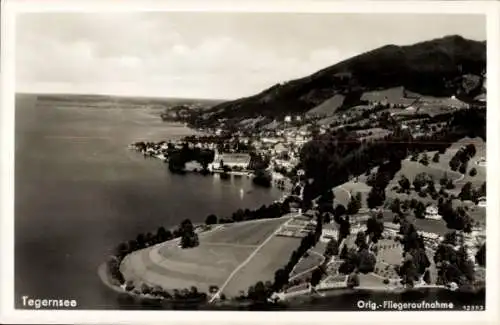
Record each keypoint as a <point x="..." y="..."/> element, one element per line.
<point x="482" y="202"/>
<point x="328" y="234"/>
<point x="431" y="212"/>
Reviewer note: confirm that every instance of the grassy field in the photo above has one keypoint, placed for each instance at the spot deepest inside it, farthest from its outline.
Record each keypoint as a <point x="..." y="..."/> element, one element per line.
<point x="352" y="187"/>
<point x="273" y="256"/>
<point x="390" y="251"/>
<point x="342" y="195"/>
<point x="480" y="152"/>
<point x="315" y="258"/>
<point x="244" y="233"/>
<point x="410" y="169"/>
<point x="212" y="262"/>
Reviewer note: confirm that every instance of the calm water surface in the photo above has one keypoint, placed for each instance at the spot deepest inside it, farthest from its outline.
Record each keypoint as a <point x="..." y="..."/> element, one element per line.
<point x="79" y="192"/>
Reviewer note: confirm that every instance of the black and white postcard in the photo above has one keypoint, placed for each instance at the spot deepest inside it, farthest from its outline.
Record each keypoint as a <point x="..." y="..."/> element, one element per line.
<point x="241" y="162"/>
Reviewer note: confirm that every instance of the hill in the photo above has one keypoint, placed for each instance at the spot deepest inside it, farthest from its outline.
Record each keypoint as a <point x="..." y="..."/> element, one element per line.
<point x="441" y="67"/>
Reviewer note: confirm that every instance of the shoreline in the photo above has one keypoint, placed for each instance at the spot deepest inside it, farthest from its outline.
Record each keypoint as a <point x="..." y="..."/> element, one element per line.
<point x="308" y="296"/>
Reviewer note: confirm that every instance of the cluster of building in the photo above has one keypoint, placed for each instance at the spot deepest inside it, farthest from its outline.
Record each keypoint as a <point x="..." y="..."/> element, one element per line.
<point x="233" y="161"/>
<point x="298" y="227"/>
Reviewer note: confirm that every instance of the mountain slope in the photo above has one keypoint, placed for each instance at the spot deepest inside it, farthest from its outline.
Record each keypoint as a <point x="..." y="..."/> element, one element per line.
<point x="436" y="67"/>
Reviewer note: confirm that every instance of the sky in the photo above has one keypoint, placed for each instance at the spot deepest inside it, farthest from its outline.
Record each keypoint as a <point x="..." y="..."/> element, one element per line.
<point x="205" y="55"/>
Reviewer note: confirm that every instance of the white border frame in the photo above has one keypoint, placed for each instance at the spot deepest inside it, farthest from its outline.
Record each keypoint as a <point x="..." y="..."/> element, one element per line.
<point x="10" y="7"/>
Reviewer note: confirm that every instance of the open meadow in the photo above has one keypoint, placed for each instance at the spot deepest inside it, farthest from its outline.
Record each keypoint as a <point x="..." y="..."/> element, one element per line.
<point x="240" y="254"/>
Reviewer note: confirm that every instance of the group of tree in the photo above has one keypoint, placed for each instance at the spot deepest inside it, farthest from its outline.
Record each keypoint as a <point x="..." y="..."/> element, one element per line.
<point x="258" y="161"/>
<point x="325" y="202"/>
<point x="332" y="158"/>
<point x="343" y="220"/>
<point x="472" y="194"/>
<point x="453" y="264"/>
<point x="415" y="263"/>
<point x="191" y="295"/>
<point x="446" y="182"/>
<point x="461" y="158"/>
<point x="331" y="249"/>
<point x="357" y="260"/>
<point x="425" y="159"/>
<point x="189" y="238"/>
<point x="375" y="227"/>
<point x="177" y="158"/>
<point x="274" y="210"/>
<point x="455" y="218"/>
<point x="354" y="204"/>
<point x="481" y="255"/>
<point x="262" y="178"/>
<point x="400" y="208"/>
<point x="113" y="265"/>
<point x="385" y="173"/>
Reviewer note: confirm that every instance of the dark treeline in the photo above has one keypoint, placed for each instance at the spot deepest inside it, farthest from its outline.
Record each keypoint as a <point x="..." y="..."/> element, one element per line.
<point x="333" y="158"/>
<point x="274" y="210"/>
<point x="460" y="160"/>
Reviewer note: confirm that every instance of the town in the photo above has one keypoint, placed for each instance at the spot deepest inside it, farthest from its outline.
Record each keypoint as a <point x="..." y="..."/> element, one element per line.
<point x="415" y="220"/>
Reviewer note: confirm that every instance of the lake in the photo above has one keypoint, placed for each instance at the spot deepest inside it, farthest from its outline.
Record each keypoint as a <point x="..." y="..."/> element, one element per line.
<point x="79" y="192"/>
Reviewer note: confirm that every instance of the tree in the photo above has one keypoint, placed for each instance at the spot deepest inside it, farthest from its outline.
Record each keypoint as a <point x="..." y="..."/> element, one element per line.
<point x="343" y="253"/>
<point x="463" y="168"/>
<point x="360" y="239"/>
<point x="316" y="276"/>
<point x="435" y="158"/>
<point x="376" y="197"/>
<point x="481" y="255"/>
<point x="327" y="217"/>
<point x="353" y="280"/>
<point x="420" y="210"/>
<point x="258" y="293"/>
<point x="280" y="279"/>
<point x="421" y="179"/>
<point x="188" y="237"/>
<point x="473" y="172"/>
<point x="367" y="261"/>
<point x="404" y="182"/>
<point x="375" y="228"/>
<point x="340" y="210"/>
<point x="471" y="150"/>
<point x="454" y="163"/>
<point x="466" y="192"/>
<point x="396" y="205"/>
<point x="427" y="277"/>
<point x="354" y="204"/>
<point x="211" y="219"/>
<point x="425" y="159"/>
<point x="344" y="229"/>
<point x="332" y="248"/>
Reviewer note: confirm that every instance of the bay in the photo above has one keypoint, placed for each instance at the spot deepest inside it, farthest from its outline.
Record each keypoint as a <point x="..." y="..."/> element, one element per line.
<point x="79" y="192"/>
